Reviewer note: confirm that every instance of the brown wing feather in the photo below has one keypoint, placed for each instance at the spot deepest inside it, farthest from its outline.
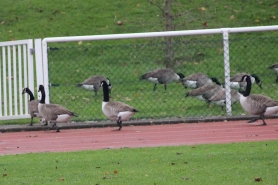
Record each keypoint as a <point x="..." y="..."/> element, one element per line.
<point x="196" y="76"/>
<point x="94" y="80"/>
<point x="158" y="73"/>
<point x="267" y="101"/>
<point x="58" y="109"/>
<point x="237" y="77"/>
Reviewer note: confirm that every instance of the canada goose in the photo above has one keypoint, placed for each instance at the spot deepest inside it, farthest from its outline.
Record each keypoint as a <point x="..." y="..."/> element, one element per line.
<point x="219" y="98"/>
<point x="32" y="105"/>
<point x="257" y="104"/>
<point x="115" y="111"/>
<point x="53" y="113"/>
<point x="236" y="83"/>
<point x="162" y="76"/>
<point x="275" y="68"/>
<point x="93" y="83"/>
<point x="197" y="80"/>
<point x="205" y="92"/>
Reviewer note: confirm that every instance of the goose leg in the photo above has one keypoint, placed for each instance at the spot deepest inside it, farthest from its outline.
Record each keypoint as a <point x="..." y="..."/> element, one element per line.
<point x="119" y="122"/>
<point x="54" y="125"/>
<point x="31" y="123"/>
<point x="252" y="120"/>
<point x="57" y="128"/>
<point x="165" y="87"/>
<point x="276" y="78"/>
<point x="262" y="117"/>
<point x="154" y="87"/>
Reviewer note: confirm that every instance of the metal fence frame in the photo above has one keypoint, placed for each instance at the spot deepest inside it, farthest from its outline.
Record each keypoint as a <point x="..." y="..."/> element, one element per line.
<point x="224" y="31"/>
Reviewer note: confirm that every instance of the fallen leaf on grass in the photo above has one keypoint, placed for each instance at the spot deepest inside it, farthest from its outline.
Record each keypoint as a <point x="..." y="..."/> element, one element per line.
<point x="5" y="175"/>
<point x="115" y="172"/>
<point x="62" y="179"/>
<point x="258" y="179"/>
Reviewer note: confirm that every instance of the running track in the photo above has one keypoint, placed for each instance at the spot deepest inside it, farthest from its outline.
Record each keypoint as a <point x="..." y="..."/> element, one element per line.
<point x="137" y="136"/>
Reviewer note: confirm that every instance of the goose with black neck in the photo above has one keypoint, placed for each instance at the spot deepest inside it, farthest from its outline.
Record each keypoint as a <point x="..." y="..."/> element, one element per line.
<point x="257" y="104"/>
<point x="115" y="111"/>
<point x="32" y="105"/>
<point x="54" y="113"/>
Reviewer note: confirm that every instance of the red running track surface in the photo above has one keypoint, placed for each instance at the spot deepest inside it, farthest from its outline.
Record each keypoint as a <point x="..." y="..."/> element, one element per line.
<point x="137" y="136"/>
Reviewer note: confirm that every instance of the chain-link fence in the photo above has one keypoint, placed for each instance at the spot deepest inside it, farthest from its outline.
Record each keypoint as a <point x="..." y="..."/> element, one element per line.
<point x="125" y="64"/>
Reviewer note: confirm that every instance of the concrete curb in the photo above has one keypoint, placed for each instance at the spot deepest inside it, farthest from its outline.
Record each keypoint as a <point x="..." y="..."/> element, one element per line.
<point x="79" y="125"/>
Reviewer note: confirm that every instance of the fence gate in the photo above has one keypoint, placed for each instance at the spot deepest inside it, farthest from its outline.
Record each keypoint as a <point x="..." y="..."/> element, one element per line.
<point x="16" y="72"/>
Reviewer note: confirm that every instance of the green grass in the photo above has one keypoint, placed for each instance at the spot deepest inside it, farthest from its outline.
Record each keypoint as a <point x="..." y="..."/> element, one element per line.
<point x="39" y="19"/>
<point x="237" y="163"/>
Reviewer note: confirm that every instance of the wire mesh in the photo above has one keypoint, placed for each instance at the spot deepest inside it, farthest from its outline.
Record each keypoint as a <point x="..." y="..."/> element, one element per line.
<point x="125" y="64"/>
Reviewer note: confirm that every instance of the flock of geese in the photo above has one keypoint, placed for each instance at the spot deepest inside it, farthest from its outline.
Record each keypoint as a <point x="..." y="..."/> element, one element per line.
<point x="204" y="88"/>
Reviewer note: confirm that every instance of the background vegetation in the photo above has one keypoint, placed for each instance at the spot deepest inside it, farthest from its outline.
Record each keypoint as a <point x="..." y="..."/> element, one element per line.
<point x="51" y="18"/>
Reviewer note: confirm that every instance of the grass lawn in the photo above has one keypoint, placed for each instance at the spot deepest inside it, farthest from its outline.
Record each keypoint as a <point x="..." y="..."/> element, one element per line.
<point x="235" y="163"/>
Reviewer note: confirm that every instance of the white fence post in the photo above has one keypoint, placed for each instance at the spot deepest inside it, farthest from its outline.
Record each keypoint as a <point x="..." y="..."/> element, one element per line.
<point x="225" y="32"/>
<point x="45" y="70"/>
<point x="39" y="63"/>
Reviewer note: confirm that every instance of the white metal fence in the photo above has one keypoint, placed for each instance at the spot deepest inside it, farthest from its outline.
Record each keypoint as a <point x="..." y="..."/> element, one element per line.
<point x="16" y="72"/>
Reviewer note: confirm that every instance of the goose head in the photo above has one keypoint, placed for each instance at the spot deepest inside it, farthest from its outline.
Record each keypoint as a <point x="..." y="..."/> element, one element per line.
<point x="24" y="90"/>
<point x="109" y="85"/>
<point x="215" y="80"/>
<point x="244" y="78"/>
<point x="257" y="80"/>
<point x="41" y="88"/>
<point x="180" y="75"/>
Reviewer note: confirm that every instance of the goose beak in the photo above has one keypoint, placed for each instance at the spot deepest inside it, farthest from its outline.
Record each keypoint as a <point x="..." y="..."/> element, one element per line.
<point x="260" y="85"/>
